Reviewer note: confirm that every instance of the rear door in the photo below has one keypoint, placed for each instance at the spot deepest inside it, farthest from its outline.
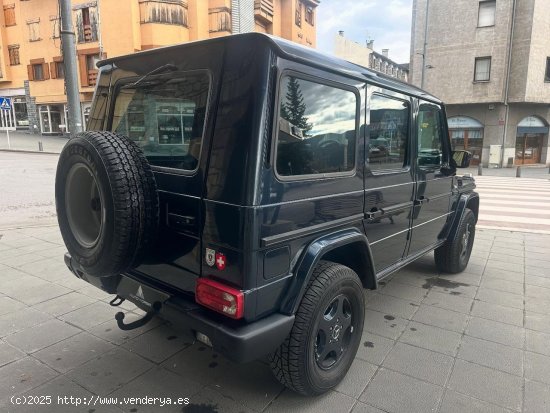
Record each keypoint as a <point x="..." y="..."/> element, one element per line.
<point x="389" y="183"/>
<point x="433" y="187"/>
<point x="165" y="115"/>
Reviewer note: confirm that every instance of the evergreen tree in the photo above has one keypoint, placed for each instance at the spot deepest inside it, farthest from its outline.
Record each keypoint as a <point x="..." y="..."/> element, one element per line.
<point x="294" y="108"/>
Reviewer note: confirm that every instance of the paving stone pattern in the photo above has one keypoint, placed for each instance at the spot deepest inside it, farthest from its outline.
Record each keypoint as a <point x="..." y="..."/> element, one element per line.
<point x="473" y="342"/>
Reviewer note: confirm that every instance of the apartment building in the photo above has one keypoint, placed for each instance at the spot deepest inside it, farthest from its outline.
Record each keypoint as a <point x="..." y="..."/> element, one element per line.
<point x="490" y="62"/>
<point x="364" y="55"/>
<point x="31" y="62"/>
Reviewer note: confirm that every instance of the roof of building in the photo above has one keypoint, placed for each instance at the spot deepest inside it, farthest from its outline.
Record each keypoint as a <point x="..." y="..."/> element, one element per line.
<point x="306" y="55"/>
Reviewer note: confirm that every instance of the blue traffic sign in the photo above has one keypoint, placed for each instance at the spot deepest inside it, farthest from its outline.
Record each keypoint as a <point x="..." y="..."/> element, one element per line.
<point x="5" y="103"/>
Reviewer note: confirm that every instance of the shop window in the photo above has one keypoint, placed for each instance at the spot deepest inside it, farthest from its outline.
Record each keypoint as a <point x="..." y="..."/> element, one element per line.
<point x="86" y="24"/>
<point x="547" y="74"/>
<point x="486" y="15"/>
<point x="309" y="15"/>
<point x="482" y="69"/>
<point x="13" y="51"/>
<point x="38" y="70"/>
<point x="163" y="11"/>
<point x="34" y="29"/>
<point x="9" y="15"/>
<point x="298" y="16"/>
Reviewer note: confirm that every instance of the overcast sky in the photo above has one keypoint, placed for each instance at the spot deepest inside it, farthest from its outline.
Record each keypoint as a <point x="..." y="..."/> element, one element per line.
<point x="388" y="22"/>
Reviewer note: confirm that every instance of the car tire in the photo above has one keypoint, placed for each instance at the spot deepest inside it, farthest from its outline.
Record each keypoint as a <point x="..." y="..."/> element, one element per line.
<point x="453" y="256"/>
<point x="107" y="202"/>
<point x="329" y="319"/>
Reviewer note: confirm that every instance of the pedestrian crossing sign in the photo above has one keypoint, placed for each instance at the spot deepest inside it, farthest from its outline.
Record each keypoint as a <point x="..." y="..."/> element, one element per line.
<point x="5" y="103"/>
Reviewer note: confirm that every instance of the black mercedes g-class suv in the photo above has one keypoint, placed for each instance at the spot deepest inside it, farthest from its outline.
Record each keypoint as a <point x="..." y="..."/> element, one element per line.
<point x="248" y="189"/>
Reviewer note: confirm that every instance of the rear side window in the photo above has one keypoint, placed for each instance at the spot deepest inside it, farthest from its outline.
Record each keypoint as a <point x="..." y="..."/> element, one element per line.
<point x="388" y="133"/>
<point x="165" y="116"/>
<point x="317" y="128"/>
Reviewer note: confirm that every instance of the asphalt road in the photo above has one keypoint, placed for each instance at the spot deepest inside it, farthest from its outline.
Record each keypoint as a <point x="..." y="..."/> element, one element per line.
<point x="27" y="189"/>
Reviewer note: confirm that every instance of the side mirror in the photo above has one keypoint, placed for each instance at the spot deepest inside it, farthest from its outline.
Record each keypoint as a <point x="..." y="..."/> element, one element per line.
<point x="462" y="158"/>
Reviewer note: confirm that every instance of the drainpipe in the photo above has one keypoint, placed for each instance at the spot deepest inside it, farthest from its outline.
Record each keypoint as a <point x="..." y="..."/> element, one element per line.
<point x="507" y="81"/>
<point x="425" y="43"/>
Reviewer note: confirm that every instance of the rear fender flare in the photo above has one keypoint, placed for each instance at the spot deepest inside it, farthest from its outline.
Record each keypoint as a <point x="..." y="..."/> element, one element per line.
<point x="314" y="252"/>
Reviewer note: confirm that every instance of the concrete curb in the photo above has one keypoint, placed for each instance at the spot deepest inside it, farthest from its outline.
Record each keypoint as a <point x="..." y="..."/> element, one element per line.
<point x="26" y="151"/>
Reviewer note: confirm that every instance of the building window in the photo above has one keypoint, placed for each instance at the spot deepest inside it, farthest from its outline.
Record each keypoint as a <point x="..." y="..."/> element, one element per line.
<point x="482" y="69"/>
<point x="547" y="74"/>
<point x="298" y="17"/>
<point x="311" y="142"/>
<point x="163" y="11"/>
<point x="9" y="15"/>
<point x="486" y="16"/>
<point x="86" y="24"/>
<point x="34" y="29"/>
<point x="13" y="50"/>
<point x="38" y="72"/>
<point x="309" y="15"/>
<point x="88" y="70"/>
<point x="56" y="26"/>
<point x="57" y="68"/>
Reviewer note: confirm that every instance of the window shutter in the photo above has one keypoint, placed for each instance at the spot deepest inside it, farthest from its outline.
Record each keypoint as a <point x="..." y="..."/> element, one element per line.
<point x="46" y="70"/>
<point x="30" y="72"/>
<point x="83" y="68"/>
<point x="79" y="26"/>
<point x="53" y="70"/>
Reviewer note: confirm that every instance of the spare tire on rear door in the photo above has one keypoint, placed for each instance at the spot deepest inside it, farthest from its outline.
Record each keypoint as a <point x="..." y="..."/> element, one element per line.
<point x="107" y="202"/>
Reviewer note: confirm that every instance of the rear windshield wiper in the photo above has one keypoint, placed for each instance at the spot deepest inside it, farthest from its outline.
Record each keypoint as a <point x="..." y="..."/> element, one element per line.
<point x="160" y="69"/>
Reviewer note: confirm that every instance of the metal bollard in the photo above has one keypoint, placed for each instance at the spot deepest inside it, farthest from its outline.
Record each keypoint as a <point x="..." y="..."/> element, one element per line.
<point x="479" y="170"/>
<point x="518" y="172"/>
<point x="40" y="147"/>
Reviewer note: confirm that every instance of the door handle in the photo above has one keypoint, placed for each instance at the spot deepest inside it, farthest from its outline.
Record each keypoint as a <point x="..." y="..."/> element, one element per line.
<point x="374" y="213"/>
<point x="421" y="200"/>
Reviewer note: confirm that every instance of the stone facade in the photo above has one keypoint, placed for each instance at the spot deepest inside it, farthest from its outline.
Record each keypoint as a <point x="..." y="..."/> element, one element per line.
<point x="366" y="56"/>
<point x="443" y="63"/>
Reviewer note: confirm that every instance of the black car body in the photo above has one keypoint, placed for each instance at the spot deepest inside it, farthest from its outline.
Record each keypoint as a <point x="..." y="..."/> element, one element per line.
<point x="254" y="190"/>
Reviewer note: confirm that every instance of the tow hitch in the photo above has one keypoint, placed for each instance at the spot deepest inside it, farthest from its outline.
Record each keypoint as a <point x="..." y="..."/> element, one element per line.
<point x="119" y="317"/>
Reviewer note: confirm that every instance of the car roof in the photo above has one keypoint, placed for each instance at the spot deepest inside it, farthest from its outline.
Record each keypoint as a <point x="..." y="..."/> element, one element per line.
<point x="296" y="52"/>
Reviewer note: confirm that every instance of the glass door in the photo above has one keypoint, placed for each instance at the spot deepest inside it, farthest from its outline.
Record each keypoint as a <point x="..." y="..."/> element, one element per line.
<point x="528" y="148"/>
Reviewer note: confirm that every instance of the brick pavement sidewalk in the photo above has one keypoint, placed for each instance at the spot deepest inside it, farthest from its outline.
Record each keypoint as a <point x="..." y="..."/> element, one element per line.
<point x="473" y="342"/>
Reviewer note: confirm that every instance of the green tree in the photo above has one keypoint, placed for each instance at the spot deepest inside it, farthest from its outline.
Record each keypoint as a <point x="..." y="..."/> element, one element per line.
<point x="294" y="108"/>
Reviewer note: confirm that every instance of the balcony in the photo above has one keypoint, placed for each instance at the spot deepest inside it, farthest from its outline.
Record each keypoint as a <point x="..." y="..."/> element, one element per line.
<point x="263" y="11"/>
<point x="219" y="19"/>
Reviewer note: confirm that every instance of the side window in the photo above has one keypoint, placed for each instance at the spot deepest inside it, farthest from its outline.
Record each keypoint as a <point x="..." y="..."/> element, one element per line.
<point x="388" y="133"/>
<point x="317" y="128"/>
<point x="430" y="136"/>
<point x="165" y="116"/>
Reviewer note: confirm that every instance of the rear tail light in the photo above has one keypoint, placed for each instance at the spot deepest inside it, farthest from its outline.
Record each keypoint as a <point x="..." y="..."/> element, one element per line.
<point x="220" y="298"/>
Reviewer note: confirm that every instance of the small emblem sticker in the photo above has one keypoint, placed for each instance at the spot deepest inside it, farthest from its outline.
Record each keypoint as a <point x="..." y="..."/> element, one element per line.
<point x="220" y="261"/>
<point x="210" y="257"/>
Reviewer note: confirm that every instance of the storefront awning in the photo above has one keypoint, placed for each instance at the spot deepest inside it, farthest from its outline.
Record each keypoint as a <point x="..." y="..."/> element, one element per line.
<point x="463" y="122"/>
<point x="532" y="124"/>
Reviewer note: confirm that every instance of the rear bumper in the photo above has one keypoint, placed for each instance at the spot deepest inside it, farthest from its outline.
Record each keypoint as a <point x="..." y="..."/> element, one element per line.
<point x="238" y="342"/>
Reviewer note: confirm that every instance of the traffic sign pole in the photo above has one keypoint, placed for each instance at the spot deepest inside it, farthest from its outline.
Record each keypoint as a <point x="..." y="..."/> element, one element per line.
<point x="8" y="135"/>
<point x="5" y="105"/>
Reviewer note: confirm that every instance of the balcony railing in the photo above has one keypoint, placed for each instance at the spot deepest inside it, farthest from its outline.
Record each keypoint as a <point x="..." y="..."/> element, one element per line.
<point x="219" y="19"/>
<point x="263" y="10"/>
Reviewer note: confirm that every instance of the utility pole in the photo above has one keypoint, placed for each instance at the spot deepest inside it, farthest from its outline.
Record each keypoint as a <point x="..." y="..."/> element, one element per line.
<point x="69" y="60"/>
<point x="425" y="43"/>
